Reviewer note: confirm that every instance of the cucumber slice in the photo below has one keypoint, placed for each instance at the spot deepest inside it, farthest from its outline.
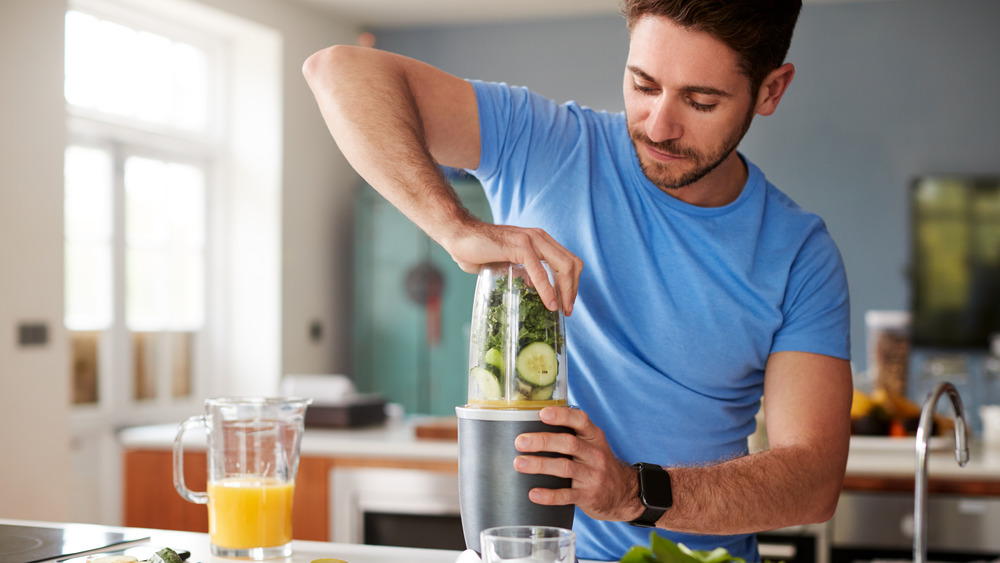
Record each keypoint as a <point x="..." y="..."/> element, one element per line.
<point x="528" y="392"/>
<point x="524" y="388"/>
<point x="538" y="364"/>
<point x="494" y="358"/>
<point x="542" y="393"/>
<point x="487" y="382"/>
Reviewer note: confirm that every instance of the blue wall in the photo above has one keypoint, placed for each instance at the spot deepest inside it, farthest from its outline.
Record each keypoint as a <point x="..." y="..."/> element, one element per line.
<point x="884" y="91"/>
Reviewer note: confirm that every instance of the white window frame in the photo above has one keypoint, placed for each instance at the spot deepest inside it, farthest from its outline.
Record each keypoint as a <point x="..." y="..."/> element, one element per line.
<point x="243" y="215"/>
<point x="116" y="391"/>
<point x="124" y="137"/>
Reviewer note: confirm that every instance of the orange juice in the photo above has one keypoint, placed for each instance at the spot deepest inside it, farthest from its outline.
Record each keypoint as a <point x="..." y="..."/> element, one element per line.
<point x="249" y="512"/>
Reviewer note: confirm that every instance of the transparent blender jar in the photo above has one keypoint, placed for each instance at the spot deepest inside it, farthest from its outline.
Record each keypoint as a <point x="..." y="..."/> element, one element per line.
<point x="517" y="347"/>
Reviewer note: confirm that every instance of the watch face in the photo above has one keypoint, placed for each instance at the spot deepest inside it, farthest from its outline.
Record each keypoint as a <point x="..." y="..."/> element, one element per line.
<point x="654" y="486"/>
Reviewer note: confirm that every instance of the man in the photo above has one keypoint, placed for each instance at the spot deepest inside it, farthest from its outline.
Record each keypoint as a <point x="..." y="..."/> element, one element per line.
<point x="694" y="285"/>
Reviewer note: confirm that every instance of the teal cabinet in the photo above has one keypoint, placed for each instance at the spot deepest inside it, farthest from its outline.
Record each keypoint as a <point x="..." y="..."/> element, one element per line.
<point x="412" y="307"/>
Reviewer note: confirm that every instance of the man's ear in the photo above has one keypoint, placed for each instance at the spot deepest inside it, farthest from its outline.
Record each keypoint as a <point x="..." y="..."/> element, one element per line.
<point x="773" y="88"/>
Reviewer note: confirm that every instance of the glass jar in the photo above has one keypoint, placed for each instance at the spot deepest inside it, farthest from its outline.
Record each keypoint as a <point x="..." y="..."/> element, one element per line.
<point x="888" y="350"/>
<point x="517" y="347"/>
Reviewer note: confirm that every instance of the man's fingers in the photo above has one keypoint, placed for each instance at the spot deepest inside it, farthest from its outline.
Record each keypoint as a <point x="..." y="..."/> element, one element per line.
<point x="569" y="278"/>
<point x="540" y="279"/>
<point x="552" y="497"/>
<point x="566" y="265"/>
<point x="555" y="442"/>
<point x="527" y="246"/>
<point x="469" y="267"/>
<point x="576" y="419"/>
<point x="555" y="466"/>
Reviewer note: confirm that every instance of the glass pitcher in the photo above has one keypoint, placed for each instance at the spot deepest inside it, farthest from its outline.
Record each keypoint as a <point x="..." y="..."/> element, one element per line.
<point x="517" y="347"/>
<point x="253" y="456"/>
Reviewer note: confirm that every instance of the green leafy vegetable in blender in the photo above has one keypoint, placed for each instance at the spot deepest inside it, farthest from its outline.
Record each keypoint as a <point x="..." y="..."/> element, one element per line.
<point x="538" y="342"/>
<point x="536" y="323"/>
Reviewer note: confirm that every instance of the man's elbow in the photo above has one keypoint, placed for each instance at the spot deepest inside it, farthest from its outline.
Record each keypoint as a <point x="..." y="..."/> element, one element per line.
<point x="823" y="503"/>
<point x="323" y="62"/>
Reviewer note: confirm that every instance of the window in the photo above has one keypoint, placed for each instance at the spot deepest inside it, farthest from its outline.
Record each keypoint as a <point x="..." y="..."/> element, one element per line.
<point x="172" y="222"/>
<point x="143" y="77"/>
<point x="137" y="181"/>
<point x="956" y="258"/>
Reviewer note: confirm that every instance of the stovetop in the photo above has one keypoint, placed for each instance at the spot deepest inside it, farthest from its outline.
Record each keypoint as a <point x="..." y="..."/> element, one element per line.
<point x="31" y="544"/>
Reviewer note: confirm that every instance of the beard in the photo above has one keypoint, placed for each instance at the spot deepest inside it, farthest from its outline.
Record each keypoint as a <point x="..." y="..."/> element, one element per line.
<point x="673" y="176"/>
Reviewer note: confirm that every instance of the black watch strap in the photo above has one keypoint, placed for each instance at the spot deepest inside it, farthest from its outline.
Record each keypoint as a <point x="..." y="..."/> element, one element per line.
<point x="654" y="493"/>
<point x="649" y="518"/>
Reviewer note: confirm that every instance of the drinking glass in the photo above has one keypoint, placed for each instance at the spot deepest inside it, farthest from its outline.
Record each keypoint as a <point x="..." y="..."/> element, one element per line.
<point x="528" y="544"/>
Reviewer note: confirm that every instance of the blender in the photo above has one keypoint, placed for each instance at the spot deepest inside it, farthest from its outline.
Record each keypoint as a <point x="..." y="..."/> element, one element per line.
<point x="517" y="366"/>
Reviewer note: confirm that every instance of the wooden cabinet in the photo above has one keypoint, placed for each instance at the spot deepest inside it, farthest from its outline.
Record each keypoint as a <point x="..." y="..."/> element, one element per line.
<point x="935" y="485"/>
<point x="412" y="307"/>
<point x="150" y="498"/>
<point x="152" y="502"/>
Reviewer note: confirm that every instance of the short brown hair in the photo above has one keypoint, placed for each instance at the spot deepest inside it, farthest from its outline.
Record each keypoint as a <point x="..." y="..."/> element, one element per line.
<point x="759" y="31"/>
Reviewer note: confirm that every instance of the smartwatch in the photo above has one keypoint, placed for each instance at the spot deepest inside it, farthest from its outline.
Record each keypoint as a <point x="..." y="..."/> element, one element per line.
<point x="654" y="493"/>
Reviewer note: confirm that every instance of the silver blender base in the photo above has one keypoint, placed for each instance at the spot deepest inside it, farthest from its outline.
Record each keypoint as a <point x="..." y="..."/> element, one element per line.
<point x="491" y="492"/>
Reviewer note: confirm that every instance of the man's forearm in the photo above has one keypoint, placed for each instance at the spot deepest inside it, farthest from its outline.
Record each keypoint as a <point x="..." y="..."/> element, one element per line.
<point x="783" y="486"/>
<point x="772" y="489"/>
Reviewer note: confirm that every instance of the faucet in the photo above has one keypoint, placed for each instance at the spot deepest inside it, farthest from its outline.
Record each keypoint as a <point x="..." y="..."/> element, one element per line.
<point x="923" y="436"/>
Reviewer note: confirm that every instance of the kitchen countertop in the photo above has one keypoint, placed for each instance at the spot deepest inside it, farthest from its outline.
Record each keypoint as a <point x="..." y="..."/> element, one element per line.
<point x="893" y="457"/>
<point x="874" y="464"/>
<point x="888" y="465"/>
<point x="303" y="551"/>
<point x="874" y="457"/>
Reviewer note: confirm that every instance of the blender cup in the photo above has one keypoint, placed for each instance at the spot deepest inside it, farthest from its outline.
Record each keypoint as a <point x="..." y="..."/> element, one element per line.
<point x="517" y="366"/>
<point x="517" y="348"/>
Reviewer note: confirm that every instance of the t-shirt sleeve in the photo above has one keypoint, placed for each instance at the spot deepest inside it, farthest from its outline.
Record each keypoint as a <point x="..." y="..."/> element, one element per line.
<point x="493" y="103"/>
<point x="817" y="304"/>
<point x="524" y="139"/>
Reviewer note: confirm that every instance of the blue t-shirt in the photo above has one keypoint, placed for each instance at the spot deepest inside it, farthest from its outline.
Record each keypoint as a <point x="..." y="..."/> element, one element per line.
<point x="678" y="306"/>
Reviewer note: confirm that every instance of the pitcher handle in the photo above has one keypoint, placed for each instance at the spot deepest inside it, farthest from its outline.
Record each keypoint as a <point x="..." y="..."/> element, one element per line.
<point x="187" y="494"/>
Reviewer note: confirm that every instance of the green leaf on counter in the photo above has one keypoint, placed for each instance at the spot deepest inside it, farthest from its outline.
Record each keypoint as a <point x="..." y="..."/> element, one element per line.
<point x="668" y="551"/>
<point x="165" y="555"/>
<point x="638" y="554"/>
<point x="663" y="550"/>
<point x="717" y="555"/>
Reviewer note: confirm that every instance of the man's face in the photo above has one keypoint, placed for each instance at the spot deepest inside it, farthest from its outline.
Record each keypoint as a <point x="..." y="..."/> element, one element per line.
<point x="686" y="103"/>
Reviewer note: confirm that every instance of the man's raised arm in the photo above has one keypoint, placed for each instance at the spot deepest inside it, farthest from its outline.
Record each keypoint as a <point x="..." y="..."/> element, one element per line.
<point x="396" y="120"/>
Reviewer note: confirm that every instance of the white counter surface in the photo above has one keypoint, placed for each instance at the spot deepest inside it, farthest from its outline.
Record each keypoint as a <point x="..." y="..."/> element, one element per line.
<point x="303" y="551"/>
<point x="896" y="457"/>
<point x="887" y="457"/>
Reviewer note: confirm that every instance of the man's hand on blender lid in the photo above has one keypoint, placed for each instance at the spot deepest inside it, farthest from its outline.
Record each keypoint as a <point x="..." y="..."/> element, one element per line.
<point x="488" y="243"/>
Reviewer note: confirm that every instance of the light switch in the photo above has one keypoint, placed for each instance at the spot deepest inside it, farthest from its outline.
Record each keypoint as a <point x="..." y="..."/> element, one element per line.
<point x="316" y="331"/>
<point x="32" y="334"/>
